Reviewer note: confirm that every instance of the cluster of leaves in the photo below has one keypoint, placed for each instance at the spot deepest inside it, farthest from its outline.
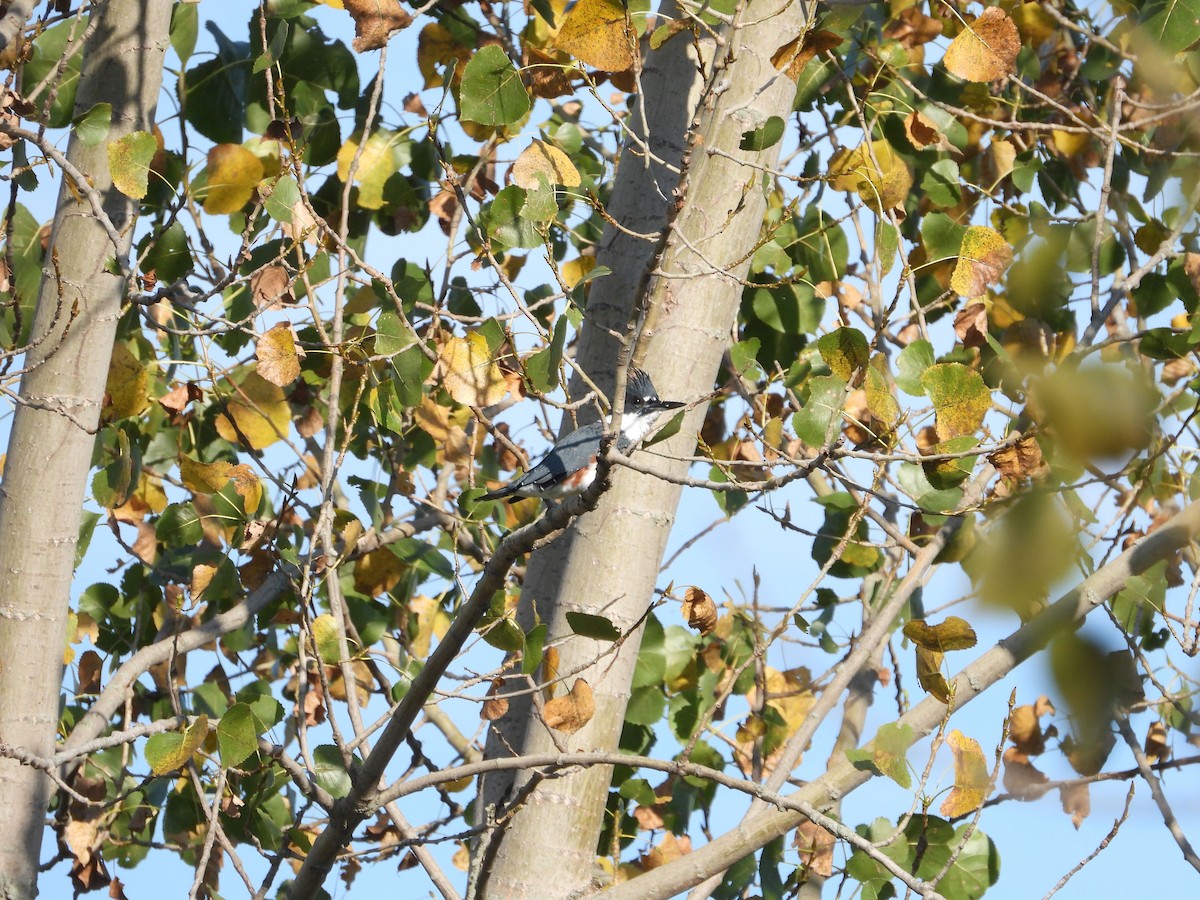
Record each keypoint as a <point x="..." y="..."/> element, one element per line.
<point x="976" y="259"/>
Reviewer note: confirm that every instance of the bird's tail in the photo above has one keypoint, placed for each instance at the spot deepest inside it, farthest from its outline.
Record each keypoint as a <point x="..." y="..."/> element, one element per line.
<point x="500" y="493"/>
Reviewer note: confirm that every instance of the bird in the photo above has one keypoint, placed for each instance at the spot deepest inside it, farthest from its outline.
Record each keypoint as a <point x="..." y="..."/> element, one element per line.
<point x="570" y="466"/>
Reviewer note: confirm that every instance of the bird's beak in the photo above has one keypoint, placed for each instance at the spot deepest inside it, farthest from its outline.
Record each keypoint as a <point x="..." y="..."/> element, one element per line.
<point x="669" y="404"/>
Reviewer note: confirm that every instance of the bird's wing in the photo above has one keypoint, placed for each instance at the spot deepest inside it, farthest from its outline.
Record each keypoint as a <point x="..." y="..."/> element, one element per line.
<point x="582" y="444"/>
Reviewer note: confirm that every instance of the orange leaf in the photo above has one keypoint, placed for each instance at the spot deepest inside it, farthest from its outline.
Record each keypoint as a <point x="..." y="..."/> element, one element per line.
<point x="987" y="49"/>
<point x="571" y="712"/>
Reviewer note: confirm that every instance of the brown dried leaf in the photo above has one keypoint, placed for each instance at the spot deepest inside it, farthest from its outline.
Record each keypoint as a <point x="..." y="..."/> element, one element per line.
<point x="271" y="287"/>
<point x="375" y="21"/>
<point x="90" y="665"/>
<point x="1022" y="460"/>
<point x="671" y="849"/>
<point x="1077" y="801"/>
<point x="571" y="712"/>
<point x="986" y="50"/>
<point x="793" y="56"/>
<point x="494" y="707"/>
<point x="699" y="610"/>
<point x="1156" y="749"/>
<point x="912" y="28"/>
<point x="1021" y="778"/>
<point x="176" y="400"/>
<point x="816" y="848"/>
<point x="971" y="325"/>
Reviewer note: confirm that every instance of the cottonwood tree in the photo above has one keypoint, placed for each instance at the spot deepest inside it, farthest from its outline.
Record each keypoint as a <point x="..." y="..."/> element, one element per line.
<point x="925" y="273"/>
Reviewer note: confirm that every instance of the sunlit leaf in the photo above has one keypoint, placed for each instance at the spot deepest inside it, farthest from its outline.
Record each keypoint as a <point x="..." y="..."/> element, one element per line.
<point x="168" y="752"/>
<point x="972" y="783"/>
<point x="599" y="33"/>
<point x="986" y="50"/>
<point x="129" y="163"/>
<point x="233" y="174"/>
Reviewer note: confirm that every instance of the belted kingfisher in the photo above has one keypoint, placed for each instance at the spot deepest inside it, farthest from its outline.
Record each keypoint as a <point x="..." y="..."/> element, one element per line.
<point x="570" y="466"/>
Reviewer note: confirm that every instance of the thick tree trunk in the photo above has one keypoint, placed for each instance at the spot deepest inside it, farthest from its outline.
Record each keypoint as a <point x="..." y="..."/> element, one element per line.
<point x="50" y="446"/>
<point x="607" y="563"/>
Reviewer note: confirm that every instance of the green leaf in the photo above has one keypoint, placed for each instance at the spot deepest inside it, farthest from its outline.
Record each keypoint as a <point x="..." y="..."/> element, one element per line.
<point x="819" y="420"/>
<point x="49" y="50"/>
<point x="506" y="223"/>
<point x="597" y="628"/>
<point x="766" y="135"/>
<point x="911" y="365"/>
<point x="330" y="771"/>
<point x="1174" y="24"/>
<point x="542" y="368"/>
<point x="943" y="183"/>
<point x="941" y="236"/>
<point x="237" y="735"/>
<point x="960" y="398"/>
<point x="887" y="244"/>
<point x="179" y="525"/>
<point x="492" y="93"/>
<point x="887" y="754"/>
<point x="91" y="127"/>
<point x="169" y="256"/>
<point x="185" y="26"/>
<point x="646" y="706"/>
<point x="651" y="666"/>
<point x="743" y="357"/>
<point x="284" y="197"/>
<point x="215" y="90"/>
<point x="391" y="336"/>
<point x="423" y="556"/>
<point x="535" y="642"/>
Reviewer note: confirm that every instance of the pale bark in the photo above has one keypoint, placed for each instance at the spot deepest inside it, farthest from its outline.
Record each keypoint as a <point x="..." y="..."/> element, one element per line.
<point x="608" y="561"/>
<point x="50" y="446"/>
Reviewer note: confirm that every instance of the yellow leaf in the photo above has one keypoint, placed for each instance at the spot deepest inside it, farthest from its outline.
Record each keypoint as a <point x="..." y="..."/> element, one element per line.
<point x="378" y="162"/>
<point x="953" y="634"/>
<point x="377" y="572"/>
<point x="972" y="783"/>
<point x="436" y="48"/>
<point x="574" y="269"/>
<point x="469" y="373"/>
<point x="129" y="163"/>
<point x="278" y="356"/>
<point x="788" y="693"/>
<point x="127" y="384"/>
<point x="203" y="478"/>
<point x="982" y="260"/>
<point x="432" y="621"/>
<point x="325" y="638"/>
<point x="546" y="160"/>
<point x="929" y="674"/>
<point x="597" y="32"/>
<point x="986" y="50"/>
<point x="233" y="174"/>
<point x="202" y="576"/>
<point x="248" y="487"/>
<point x="571" y="712"/>
<point x="875" y="171"/>
<point x="259" y="413"/>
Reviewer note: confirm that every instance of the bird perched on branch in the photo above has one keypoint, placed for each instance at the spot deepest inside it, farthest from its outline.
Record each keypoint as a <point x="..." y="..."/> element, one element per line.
<point x="570" y="466"/>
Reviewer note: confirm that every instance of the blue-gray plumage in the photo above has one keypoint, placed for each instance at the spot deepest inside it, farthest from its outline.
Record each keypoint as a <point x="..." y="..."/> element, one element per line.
<point x="570" y="466"/>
